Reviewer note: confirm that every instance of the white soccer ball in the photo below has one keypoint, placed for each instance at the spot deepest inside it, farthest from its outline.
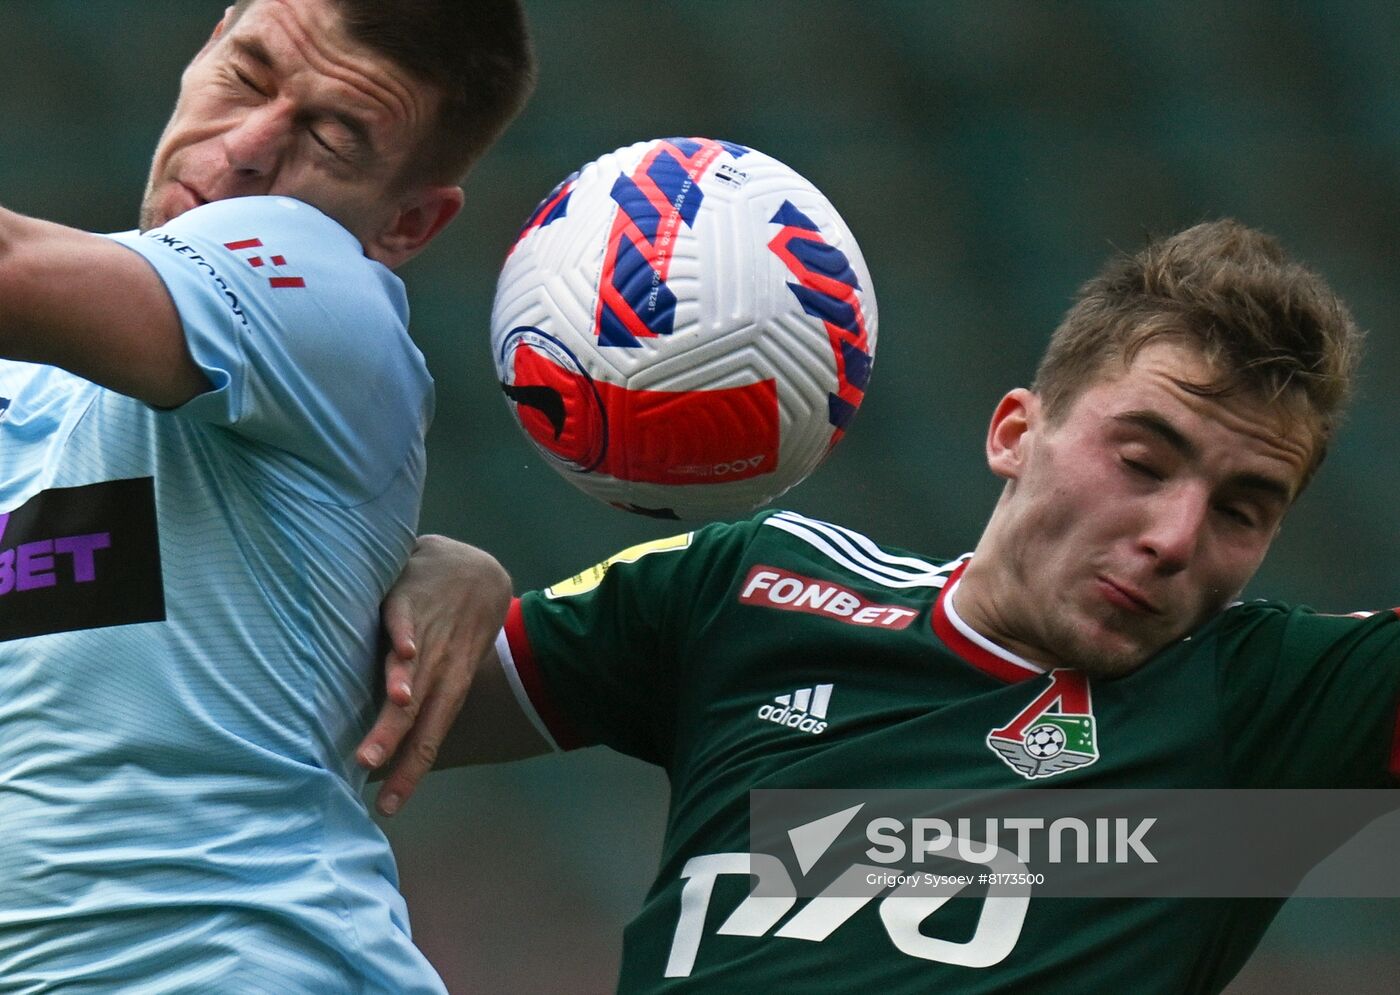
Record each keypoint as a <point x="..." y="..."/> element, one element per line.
<point x="684" y="328"/>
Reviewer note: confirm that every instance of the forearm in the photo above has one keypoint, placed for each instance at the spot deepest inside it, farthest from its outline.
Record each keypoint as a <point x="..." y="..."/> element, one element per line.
<point x="492" y="727"/>
<point x="84" y="303"/>
<point x="16" y="339"/>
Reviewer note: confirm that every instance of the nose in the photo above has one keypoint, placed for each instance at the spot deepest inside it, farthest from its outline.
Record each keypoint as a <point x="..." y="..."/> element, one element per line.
<point x="1175" y="524"/>
<point x="255" y="144"/>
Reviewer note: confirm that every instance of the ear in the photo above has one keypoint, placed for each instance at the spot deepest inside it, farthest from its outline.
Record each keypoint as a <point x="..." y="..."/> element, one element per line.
<point x="1011" y="432"/>
<point x="214" y="36"/>
<point x="230" y="15"/>
<point x="421" y="215"/>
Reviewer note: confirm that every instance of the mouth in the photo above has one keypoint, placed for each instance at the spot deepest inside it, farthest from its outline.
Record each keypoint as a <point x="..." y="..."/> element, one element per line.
<point x="1126" y="597"/>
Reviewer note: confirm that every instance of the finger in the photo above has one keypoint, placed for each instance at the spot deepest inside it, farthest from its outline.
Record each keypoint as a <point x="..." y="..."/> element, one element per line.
<point x="385" y="736"/>
<point x="398" y="623"/>
<point x="400" y="664"/>
<point x="419" y="752"/>
<point x="399" y="677"/>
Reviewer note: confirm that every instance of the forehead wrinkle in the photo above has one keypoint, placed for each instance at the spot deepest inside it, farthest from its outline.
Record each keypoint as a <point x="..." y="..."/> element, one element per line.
<point x="386" y="98"/>
<point x="1245" y="413"/>
<point x="1268" y="426"/>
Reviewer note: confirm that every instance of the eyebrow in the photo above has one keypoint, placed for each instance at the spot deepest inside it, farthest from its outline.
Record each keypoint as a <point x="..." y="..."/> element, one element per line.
<point x="1155" y="424"/>
<point x="257" y="51"/>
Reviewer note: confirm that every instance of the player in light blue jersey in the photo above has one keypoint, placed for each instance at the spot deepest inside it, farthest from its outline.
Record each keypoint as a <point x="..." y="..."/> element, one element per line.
<point x="211" y="462"/>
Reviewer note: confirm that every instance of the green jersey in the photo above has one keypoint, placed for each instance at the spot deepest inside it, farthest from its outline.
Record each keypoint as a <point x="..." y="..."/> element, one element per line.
<point x="786" y="652"/>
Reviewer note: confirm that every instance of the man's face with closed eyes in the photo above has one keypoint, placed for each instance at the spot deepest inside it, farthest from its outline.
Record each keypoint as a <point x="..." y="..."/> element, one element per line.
<point x="281" y="101"/>
<point x="1133" y="517"/>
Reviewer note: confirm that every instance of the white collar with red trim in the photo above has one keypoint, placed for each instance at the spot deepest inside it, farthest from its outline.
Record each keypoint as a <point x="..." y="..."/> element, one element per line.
<point x="969" y="644"/>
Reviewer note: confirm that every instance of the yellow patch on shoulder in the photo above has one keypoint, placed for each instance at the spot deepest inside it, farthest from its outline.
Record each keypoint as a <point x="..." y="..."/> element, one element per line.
<point x="582" y="583"/>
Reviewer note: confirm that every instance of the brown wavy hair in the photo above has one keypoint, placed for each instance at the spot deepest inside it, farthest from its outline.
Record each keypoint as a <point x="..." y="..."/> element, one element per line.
<point x="1265" y="324"/>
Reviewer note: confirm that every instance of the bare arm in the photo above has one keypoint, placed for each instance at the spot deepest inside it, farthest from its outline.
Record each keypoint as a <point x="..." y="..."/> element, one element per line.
<point x="492" y="727"/>
<point x="84" y="303"/>
<point x="442" y="617"/>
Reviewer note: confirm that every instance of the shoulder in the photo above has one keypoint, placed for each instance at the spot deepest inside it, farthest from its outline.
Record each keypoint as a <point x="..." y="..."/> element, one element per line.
<point x="246" y="222"/>
<point x="1275" y="632"/>
<point x="275" y="253"/>
<point x="771" y="548"/>
<point x="802" y="542"/>
<point x="1264" y="611"/>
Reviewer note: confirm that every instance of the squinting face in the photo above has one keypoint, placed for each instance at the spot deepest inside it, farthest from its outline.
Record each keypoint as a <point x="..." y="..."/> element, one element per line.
<point x="281" y="102"/>
<point x="1133" y="519"/>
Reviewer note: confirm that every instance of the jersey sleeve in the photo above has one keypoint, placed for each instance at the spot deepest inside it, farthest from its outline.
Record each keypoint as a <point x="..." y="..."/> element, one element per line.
<point x="1310" y="700"/>
<point x="302" y="337"/>
<point x="604" y="656"/>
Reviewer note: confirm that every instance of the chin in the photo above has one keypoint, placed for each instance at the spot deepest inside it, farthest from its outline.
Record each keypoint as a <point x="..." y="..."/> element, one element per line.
<point x="1105" y="654"/>
<point x="1108" y="667"/>
<point x="163" y="203"/>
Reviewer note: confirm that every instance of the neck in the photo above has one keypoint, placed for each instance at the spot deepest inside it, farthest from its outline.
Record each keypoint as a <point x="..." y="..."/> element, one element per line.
<point x="986" y="602"/>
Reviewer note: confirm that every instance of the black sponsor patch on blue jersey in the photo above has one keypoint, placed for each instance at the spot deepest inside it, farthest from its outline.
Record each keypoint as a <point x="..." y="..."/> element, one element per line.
<point x="81" y="558"/>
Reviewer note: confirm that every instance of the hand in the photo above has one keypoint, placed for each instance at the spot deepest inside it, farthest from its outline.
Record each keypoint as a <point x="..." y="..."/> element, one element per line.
<point x="441" y="617"/>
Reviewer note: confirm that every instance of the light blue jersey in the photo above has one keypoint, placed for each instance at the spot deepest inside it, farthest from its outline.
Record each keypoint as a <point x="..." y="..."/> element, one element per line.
<point x="188" y="625"/>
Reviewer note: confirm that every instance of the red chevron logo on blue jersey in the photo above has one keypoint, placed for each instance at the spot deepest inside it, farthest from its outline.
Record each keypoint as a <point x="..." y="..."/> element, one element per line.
<point x="258" y="262"/>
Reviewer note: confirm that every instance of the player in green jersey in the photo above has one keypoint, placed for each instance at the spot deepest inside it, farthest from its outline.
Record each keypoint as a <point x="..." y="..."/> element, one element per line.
<point x="1090" y="640"/>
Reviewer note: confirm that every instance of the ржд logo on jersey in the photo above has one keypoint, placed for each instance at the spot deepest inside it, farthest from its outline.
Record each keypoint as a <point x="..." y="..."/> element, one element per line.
<point x="903" y="908"/>
<point x="1054" y="733"/>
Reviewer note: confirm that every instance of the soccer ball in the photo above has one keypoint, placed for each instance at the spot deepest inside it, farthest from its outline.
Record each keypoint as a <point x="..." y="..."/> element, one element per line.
<point x="1045" y="740"/>
<point x="684" y="328"/>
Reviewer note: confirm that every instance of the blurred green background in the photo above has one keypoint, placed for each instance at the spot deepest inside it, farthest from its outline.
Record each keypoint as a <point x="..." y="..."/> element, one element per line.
<point x="988" y="156"/>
